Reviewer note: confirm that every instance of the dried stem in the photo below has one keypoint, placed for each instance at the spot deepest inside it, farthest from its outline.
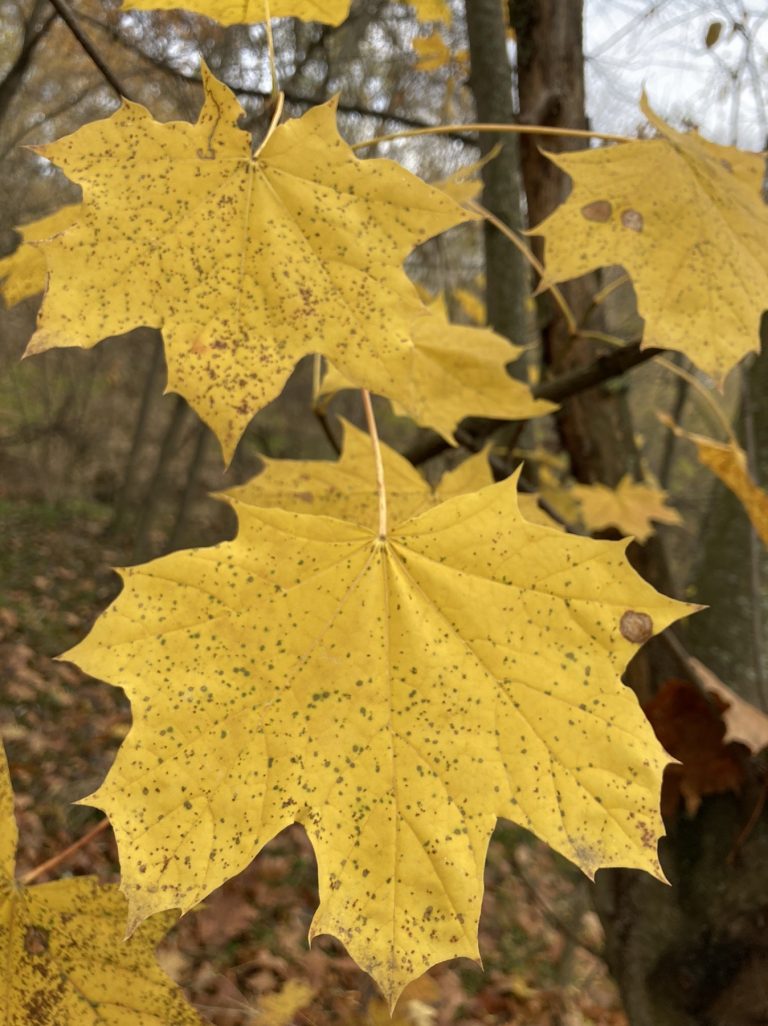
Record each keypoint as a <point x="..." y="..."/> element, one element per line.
<point x="480" y="126"/>
<point x="380" y="486"/>
<point x="536" y="264"/>
<point x="54" y="861"/>
<point x="271" y="52"/>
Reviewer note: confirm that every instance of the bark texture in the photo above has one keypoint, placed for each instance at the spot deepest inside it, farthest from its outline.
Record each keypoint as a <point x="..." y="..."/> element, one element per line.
<point x="595" y="427"/>
<point x="507" y="277"/>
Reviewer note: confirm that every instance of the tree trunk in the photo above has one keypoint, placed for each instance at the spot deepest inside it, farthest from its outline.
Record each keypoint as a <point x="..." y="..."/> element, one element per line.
<point x="507" y="273"/>
<point x="595" y="427"/>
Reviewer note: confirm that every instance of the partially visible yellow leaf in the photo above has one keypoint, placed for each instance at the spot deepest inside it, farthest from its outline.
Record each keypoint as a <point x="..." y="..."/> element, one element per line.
<point x="63" y="954"/>
<point x="432" y="10"/>
<point x="531" y="510"/>
<point x="452" y="371"/>
<point x="280" y="1009"/>
<point x="346" y="488"/>
<point x="245" y="262"/>
<point x="9" y="834"/>
<point x="686" y="219"/>
<point x="464" y="185"/>
<point x="23" y="272"/>
<point x="744" y="721"/>
<point x="630" y="507"/>
<point x="471" y="304"/>
<point x="343" y="488"/>
<point x="432" y="52"/>
<point x="728" y="462"/>
<point x="246" y="12"/>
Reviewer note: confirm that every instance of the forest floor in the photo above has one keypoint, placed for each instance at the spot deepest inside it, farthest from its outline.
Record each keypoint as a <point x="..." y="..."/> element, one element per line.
<point x="243" y="958"/>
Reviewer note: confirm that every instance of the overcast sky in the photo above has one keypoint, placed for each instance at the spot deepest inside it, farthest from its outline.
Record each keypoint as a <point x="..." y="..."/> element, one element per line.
<point x="661" y="44"/>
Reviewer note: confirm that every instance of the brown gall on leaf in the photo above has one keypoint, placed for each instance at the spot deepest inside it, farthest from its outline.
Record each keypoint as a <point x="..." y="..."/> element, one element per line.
<point x="636" y="627"/>
<point x="632" y="219"/>
<point x="599" y="211"/>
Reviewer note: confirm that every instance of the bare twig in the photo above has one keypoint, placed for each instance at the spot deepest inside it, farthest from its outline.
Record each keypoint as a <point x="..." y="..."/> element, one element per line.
<point x="54" y="861"/>
<point x="67" y="15"/>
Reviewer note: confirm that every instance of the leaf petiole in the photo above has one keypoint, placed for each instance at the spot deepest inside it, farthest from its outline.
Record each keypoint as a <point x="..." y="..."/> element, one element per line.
<point x="380" y="485"/>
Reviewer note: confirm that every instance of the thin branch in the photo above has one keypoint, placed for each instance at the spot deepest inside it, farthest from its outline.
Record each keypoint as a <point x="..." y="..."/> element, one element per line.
<point x="611" y="365"/>
<point x="54" y="861"/>
<point x="66" y="14"/>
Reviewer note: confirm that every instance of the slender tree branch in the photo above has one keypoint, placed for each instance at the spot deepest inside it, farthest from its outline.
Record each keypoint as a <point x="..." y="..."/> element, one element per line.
<point x="604" y="368"/>
<point x="612" y="365"/>
<point x="54" y="861"/>
<point x="66" y="14"/>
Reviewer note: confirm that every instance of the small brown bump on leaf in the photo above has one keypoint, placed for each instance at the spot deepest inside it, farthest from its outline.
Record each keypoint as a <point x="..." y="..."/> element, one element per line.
<point x="36" y="940"/>
<point x="632" y="219"/>
<point x="600" y="210"/>
<point x="636" y="627"/>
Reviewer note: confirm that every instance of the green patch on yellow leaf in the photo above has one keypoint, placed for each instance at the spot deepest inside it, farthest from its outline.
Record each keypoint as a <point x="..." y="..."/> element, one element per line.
<point x="23" y="272"/>
<point x="395" y="696"/>
<point x="631" y="507"/>
<point x="686" y="219"/>
<point x="245" y="262"/>
<point x="63" y="951"/>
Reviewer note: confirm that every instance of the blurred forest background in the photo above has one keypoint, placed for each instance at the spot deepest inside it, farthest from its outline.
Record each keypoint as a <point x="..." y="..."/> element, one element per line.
<point x="98" y="467"/>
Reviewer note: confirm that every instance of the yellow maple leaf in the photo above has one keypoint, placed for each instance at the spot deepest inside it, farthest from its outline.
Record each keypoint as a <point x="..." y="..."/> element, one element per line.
<point x="451" y="371"/>
<point x="395" y="695"/>
<point x="471" y="304"/>
<point x="630" y="506"/>
<point x="686" y="219"/>
<point x="728" y="462"/>
<point x="247" y="12"/>
<point x="346" y="488"/>
<point x="246" y="262"/>
<point x="23" y="272"/>
<point x="432" y="10"/>
<point x="432" y="52"/>
<point x="63" y="954"/>
<point x="280" y="1008"/>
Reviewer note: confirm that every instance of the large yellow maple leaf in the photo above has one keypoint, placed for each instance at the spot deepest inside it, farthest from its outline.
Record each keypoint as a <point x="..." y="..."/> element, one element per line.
<point x="394" y="694"/>
<point x="245" y="262"/>
<point x="64" y="958"/>
<point x="686" y="219"/>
